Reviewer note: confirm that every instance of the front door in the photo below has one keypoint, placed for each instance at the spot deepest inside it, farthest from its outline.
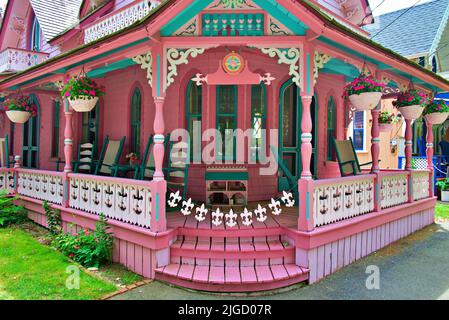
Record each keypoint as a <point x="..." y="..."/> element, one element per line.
<point x="30" y="145"/>
<point x="290" y="113"/>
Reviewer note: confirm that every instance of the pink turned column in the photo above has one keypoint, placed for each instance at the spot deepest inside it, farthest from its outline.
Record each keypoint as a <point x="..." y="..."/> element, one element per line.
<point x="429" y="153"/>
<point x="306" y="146"/>
<point x="68" y="140"/>
<point x="159" y="138"/>
<point x="375" y="140"/>
<point x="408" y="144"/>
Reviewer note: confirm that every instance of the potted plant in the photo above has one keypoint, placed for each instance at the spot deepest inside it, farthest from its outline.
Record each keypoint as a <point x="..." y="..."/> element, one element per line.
<point x="364" y="92"/>
<point x="386" y="121"/>
<point x="82" y="92"/>
<point x="132" y="158"/>
<point x="443" y="186"/>
<point x="411" y="103"/>
<point x="20" y="110"/>
<point x="436" y="112"/>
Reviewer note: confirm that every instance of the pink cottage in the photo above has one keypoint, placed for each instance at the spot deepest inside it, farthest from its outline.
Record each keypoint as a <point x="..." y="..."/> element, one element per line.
<point x="228" y="111"/>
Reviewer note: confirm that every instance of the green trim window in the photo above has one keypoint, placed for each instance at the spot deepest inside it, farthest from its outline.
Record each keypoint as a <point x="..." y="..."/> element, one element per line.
<point x="331" y="125"/>
<point x="90" y="127"/>
<point x="136" y="121"/>
<point x="55" y="130"/>
<point x="258" y="119"/>
<point x="358" y="130"/>
<point x="226" y="120"/>
<point x="194" y="110"/>
<point x="12" y="129"/>
<point x="30" y="139"/>
<point x="35" y="36"/>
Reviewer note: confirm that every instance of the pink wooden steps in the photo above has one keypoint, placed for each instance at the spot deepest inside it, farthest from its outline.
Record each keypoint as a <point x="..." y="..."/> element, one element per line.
<point x="236" y="263"/>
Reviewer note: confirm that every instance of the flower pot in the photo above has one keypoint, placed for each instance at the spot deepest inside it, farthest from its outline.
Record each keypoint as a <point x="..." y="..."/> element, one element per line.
<point x="18" y="116"/>
<point x="436" y="117"/>
<point x="83" y="104"/>
<point x="365" y="100"/>
<point x="385" y="127"/>
<point x="411" y="112"/>
<point x="445" y="195"/>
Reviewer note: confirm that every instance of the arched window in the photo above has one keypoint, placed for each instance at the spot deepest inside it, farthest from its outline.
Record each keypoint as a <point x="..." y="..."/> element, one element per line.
<point x="194" y="101"/>
<point x="258" y="119"/>
<point x="136" y="117"/>
<point x="331" y="125"/>
<point x="35" y="35"/>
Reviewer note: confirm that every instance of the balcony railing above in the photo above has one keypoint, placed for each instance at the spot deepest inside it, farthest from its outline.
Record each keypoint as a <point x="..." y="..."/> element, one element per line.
<point x="118" y="20"/>
<point x="14" y="60"/>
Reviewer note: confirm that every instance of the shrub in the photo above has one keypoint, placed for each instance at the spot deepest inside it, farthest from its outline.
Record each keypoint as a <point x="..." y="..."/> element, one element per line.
<point x="443" y="185"/>
<point x="89" y="248"/>
<point x="9" y="212"/>
<point x="54" y="221"/>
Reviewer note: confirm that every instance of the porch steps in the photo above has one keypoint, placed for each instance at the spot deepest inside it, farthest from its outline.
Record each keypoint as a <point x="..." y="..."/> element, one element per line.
<point x="237" y="262"/>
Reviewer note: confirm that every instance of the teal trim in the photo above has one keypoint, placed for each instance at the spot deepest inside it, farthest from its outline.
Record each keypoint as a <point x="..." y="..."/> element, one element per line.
<point x="377" y="191"/>
<point x="331" y="126"/>
<point x="231" y="24"/>
<point x="308" y="79"/>
<point x="158" y="75"/>
<point x="283" y="15"/>
<point x="157" y="206"/>
<point x="308" y="206"/>
<point x="101" y="72"/>
<point x="136" y="121"/>
<point x="55" y="133"/>
<point x="218" y="115"/>
<point x="227" y="176"/>
<point x="66" y="190"/>
<point x="31" y="138"/>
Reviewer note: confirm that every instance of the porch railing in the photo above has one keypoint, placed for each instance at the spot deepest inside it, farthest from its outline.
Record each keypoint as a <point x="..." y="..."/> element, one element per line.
<point x="41" y="185"/>
<point x="118" y="20"/>
<point x="420" y="184"/>
<point x="7" y="180"/>
<point x="119" y="199"/>
<point x="13" y="59"/>
<point x="344" y="198"/>
<point x="393" y="188"/>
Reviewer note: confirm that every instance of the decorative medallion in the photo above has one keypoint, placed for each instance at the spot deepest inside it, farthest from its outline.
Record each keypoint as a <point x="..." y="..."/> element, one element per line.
<point x="233" y="63"/>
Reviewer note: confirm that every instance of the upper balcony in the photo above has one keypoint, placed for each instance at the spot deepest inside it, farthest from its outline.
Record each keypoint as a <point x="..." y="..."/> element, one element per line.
<point x="15" y="60"/>
<point x="118" y="20"/>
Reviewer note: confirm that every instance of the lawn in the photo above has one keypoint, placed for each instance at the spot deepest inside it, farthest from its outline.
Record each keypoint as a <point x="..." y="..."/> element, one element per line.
<point x="30" y="270"/>
<point x="442" y="211"/>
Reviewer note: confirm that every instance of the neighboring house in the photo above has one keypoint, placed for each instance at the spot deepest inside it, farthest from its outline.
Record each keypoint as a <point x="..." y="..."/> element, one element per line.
<point x="422" y="35"/>
<point x="230" y="65"/>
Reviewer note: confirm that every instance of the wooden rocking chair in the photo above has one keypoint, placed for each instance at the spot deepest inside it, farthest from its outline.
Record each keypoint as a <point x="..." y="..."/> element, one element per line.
<point x="347" y="158"/>
<point x="109" y="157"/>
<point x="292" y="181"/>
<point x="178" y="167"/>
<point x="147" y="166"/>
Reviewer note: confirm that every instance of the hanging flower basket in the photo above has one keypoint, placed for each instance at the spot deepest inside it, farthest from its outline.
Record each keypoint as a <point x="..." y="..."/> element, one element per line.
<point x="82" y="92"/>
<point x="436" y="112"/>
<point x="411" y="103"/>
<point x="364" y="92"/>
<point x="20" y="110"/>
<point x="386" y="121"/>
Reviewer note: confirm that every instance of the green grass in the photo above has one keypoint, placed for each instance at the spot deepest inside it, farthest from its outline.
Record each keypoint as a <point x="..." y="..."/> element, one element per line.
<point x="119" y="274"/>
<point x="442" y="211"/>
<point x="31" y="271"/>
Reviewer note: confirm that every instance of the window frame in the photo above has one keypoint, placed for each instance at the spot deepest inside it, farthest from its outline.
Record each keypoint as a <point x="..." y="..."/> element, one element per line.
<point x="331" y="132"/>
<point x="55" y="129"/>
<point x="189" y="116"/>
<point x="136" y="121"/>
<point x="35" y="35"/>
<point x="363" y="130"/>
<point x="263" y="118"/>
<point x="218" y="115"/>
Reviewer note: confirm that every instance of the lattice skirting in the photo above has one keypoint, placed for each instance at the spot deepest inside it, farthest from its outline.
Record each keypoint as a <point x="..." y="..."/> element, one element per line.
<point x="329" y="258"/>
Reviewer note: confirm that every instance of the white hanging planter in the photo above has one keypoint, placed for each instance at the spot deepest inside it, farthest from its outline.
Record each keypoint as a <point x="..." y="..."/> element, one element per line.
<point x="365" y="100"/>
<point x="83" y="104"/>
<point x="436" y="117"/>
<point x="411" y="112"/>
<point x="17" y="116"/>
<point x="385" y="127"/>
<point x="445" y="196"/>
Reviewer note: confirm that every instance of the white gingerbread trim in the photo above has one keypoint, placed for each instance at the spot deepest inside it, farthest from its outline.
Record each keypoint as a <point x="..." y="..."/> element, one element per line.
<point x="320" y="60"/>
<point x="146" y="63"/>
<point x="289" y="56"/>
<point x="176" y="57"/>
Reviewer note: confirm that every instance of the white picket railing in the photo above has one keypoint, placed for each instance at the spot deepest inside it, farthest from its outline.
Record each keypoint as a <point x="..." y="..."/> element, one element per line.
<point x="420" y="184"/>
<point x="339" y="199"/>
<point x="119" y="199"/>
<point x="14" y="59"/>
<point x="393" y="188"/>
<point x="41" y="185"/>
<point x="119" y="20"/>
<point x="7" y="180"/>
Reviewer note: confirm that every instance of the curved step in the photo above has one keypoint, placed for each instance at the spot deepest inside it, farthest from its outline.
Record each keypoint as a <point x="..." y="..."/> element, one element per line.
<point x="232" y="279"/>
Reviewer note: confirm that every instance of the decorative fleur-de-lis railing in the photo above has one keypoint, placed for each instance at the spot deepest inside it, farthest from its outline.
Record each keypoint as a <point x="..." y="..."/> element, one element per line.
<point x="119" y="20"/>
<point x="7" y="180"/>
<point x="41" y="185"/>
<point x="336" y="200"/>
<point x="420" y="181"/>
<point x="393" y="188"/>
<point x="123" y="200"/>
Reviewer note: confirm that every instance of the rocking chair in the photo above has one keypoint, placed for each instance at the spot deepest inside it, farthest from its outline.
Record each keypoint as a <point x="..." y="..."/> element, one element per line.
<point x="292" y="181"/>
<point x="109" y="157"/>
<point x="178" y="168"/>
<point x="347" y="158"/>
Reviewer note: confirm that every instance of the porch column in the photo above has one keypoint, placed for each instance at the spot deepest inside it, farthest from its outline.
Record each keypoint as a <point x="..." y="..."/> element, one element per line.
<point x="68" y="138"/>
<point x="408" y="144"/>
<point x="429" y="154"/>
<point x="375" y="140"/>
<point x="159" y="138"/>
<point x="306" y="138"/>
